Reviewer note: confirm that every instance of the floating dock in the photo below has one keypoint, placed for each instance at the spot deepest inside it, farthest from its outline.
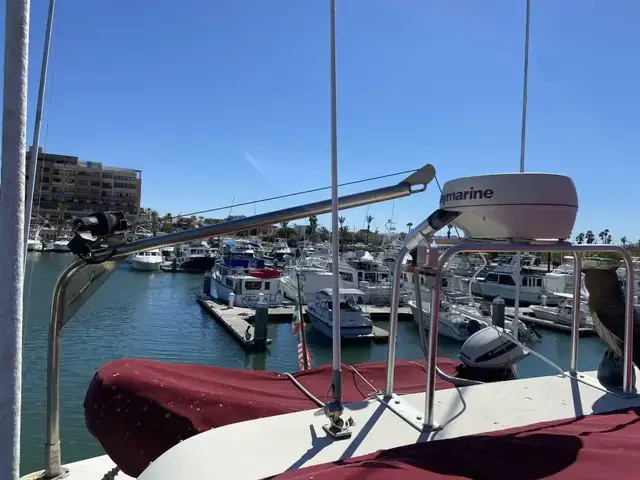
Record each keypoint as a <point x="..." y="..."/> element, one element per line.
<point x="558" y="327"/>
<point x="239" y="321"/>
<point x="236" y="321"/>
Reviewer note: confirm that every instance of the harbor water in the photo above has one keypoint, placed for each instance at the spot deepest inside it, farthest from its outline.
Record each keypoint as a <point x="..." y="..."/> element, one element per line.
<point x="155" y="315"/>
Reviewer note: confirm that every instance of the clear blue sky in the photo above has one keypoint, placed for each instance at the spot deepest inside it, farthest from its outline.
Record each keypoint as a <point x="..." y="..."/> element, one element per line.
<point x="221" y="101"/>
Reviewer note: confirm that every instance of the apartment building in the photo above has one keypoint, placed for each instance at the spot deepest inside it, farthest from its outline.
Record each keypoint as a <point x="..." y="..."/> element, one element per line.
<point x="72" y="187"/>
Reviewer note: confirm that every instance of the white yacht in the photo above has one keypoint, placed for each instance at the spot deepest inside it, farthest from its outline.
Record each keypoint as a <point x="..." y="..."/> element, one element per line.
<point x="500" y="282"/>
<point x="452" y="323"/>
<point x="35" y="245"/>
<point x="61" y="245"/>
<point x="240" y="273"/>
<point x="149" y="260"/>
<point x="315" y="273"/>
<point x="354" y="321"/>
<point x="563" y="313"/>
<point x="374" y="279"/>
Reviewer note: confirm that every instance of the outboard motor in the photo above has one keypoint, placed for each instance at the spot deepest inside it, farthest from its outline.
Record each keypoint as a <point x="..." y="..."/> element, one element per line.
<point x="489" y="356"/>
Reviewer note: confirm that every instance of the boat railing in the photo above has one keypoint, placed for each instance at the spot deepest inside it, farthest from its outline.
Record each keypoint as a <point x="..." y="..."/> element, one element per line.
<point x="426" y="418"/>
<point x="268" y="297"/>
<point x="80" y="280"/>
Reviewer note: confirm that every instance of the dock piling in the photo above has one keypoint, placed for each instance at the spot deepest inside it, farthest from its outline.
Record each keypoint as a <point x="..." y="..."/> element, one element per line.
<point x="261" y="321"/>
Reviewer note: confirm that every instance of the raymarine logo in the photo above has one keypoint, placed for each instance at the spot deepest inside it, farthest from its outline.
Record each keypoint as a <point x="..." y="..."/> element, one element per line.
<point x="470" y="194"/>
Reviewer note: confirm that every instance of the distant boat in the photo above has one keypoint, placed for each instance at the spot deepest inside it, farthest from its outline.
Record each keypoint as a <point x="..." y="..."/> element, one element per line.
<point x="354" y="322"/>
<point x="148" y="261"/>
<point x="61" y="245"/>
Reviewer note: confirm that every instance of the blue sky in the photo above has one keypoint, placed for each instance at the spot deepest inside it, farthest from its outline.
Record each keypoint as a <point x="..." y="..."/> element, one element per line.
<point x="228" y="101"/>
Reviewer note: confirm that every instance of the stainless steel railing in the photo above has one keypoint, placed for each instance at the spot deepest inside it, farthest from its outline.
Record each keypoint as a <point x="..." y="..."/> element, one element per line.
<point x="79" y="281"/>
<point x="543" y="247"/>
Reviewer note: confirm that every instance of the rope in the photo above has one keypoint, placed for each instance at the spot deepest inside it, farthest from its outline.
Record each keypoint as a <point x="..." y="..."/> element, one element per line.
<point x="317" y="401"/>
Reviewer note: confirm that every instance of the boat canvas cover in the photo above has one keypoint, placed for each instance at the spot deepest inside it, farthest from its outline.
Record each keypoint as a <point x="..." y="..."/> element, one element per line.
<point x="138" y="409"/>
<point x="594" y="447"/>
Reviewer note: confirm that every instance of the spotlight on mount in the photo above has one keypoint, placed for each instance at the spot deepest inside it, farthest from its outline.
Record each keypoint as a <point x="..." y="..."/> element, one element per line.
<point x="92" y="231"/>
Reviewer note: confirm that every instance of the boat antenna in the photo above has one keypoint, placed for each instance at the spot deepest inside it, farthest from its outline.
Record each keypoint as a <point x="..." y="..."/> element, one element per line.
<point x="35" y="144"/>
<point x="523" y="142"/>
<point x="12" y="253"/>
<point x="337" y="428"/>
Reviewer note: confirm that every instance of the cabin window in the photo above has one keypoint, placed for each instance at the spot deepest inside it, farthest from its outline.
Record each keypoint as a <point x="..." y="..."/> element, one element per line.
<point x="229" y="283"/>
<point x="347" y="277"/>
<point x="421" y="280"/>
<point x="360" y="274"/>
<point x="267" y="285"/>
<point x="538" y="282"/>
<point x="492" y="277"/>
<point x="251" y="285"/>
<point x="506" y="280"/>
<point x="524" y="281"/>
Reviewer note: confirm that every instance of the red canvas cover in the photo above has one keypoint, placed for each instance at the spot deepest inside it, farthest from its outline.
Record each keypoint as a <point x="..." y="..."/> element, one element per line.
<point x="138" y="409"/>
<point x="596" y="447"/>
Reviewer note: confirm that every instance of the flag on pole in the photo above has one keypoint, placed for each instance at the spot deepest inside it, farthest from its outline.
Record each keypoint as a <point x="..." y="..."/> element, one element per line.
<point x="295" y="324"/>
<point x="295" y="327"/>
<point x="301" y="356"/>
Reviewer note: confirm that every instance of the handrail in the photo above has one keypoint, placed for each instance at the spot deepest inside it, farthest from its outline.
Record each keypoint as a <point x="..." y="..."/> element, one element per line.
<point x="576" y="250"/>
<point x="417" y="182"/>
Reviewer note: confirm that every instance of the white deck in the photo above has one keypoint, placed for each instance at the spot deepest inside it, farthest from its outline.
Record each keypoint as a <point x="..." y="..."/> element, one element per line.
<point x="268" y="446"/>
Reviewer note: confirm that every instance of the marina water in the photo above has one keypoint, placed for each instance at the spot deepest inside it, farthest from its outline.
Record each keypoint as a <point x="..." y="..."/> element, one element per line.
<point x="155" y="315"/>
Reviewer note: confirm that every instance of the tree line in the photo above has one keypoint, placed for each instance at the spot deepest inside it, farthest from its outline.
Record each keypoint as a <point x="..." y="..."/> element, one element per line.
<point x="604" y="237"/>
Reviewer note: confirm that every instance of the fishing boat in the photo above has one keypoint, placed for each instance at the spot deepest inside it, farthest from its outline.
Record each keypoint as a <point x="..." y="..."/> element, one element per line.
<point x="354" y="321"/>
<point x="148" y="261"/>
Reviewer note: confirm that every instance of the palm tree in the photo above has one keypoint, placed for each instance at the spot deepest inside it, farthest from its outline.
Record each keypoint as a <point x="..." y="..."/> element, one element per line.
<point x="284" y="224"/>
<point x="368" y="219"/>
<point x="590" y="237"/>
<point x="62" y="208"/>
<point x="313" y="226"/>
<point x="624" y="241"/>
<point x="154" y="222"/>
<point x="580" y="238"/>
<point x="409" y="225"/>
<point x="342" y="230"/>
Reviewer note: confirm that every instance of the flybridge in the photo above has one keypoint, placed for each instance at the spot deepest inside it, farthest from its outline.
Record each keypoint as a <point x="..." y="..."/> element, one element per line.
<point x="470" y="194"/>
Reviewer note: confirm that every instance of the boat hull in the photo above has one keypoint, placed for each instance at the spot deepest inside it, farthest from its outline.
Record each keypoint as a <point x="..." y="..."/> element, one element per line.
<point x="347" y="332"/>
<point x="445" y="329"/>
<point x="198" y="264"/>
<point x="249" y="301"/>
<point x="145" y="266"/>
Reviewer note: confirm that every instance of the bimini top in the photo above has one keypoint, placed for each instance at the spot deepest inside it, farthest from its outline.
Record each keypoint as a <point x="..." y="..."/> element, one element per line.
<point x="517" y="206"/>
<point x="328" y="292"/>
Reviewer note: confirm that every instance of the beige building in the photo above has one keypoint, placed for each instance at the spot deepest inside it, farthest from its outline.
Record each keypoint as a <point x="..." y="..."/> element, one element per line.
<point x="71" y="187"/>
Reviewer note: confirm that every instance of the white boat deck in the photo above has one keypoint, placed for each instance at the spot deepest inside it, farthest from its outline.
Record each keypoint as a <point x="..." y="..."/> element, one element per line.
<point x="268" y="446"/>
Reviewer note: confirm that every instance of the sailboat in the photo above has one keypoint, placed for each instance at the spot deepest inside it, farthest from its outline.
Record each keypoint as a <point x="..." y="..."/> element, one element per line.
<point x="156" y="410"/>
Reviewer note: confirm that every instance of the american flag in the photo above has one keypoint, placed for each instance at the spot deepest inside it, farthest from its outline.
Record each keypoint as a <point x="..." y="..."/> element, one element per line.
<point x="301" y="357"/>
<point x="295" y="327"/>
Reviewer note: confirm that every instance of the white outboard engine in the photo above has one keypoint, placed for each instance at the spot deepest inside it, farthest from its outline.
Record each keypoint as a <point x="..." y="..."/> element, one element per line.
<point x="489" y="355"/>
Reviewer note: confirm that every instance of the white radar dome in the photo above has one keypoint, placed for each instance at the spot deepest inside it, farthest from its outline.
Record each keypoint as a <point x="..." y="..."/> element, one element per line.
<point x="519" y="206"/>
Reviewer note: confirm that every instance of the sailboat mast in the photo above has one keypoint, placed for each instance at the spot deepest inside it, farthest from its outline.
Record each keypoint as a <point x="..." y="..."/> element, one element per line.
<point x="12" y="196"/>
<point x="35" y="144"/>
<point x="335" y="310"/>
<point x="523" y="137"/>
